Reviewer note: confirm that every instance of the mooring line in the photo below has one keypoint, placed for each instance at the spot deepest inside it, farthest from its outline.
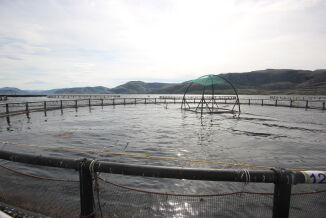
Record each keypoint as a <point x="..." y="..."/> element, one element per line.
<point x="143" y="156"/>
<point x="36" y="177"/>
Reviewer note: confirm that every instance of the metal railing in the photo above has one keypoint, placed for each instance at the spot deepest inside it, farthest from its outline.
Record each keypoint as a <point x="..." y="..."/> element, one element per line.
<point x="283" y="179"/>
<point x="15" y="108"/>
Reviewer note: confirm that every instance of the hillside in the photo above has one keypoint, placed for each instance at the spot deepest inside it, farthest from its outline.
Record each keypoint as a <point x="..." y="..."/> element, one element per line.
<point x="270" y="81"/>
<point x="139" y="87"/>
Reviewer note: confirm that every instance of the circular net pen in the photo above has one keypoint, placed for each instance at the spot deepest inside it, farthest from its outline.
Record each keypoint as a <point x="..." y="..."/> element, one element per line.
<point x="211" y="100"/>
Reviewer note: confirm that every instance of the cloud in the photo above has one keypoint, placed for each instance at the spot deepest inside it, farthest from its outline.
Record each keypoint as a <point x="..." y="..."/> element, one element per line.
<point x="110" y="42"/>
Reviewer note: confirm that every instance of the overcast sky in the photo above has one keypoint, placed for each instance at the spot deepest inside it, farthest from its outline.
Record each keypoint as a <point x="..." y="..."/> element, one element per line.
<point x="48" y="44"/>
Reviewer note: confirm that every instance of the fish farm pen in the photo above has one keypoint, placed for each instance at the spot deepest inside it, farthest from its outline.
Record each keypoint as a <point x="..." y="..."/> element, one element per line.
<point x="91" y="194"/>
<point x="75" y="101"/>
<point x="120" y="201"/>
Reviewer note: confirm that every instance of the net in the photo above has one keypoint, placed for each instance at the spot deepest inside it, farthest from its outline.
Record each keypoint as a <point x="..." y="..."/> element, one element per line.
<point x="47" y="196"/>
<point x="119" y="201"/>
<point x="208" y="80"/>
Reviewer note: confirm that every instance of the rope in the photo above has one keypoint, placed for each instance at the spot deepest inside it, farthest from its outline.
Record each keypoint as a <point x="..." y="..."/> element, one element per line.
<point x="182" y="195"/>
<point x="201" y="195"/>
<point x="144" y="156"/>
<point x="151" y="192"/>
<point x="95" y="183"/>
<point x="37" y="177"/>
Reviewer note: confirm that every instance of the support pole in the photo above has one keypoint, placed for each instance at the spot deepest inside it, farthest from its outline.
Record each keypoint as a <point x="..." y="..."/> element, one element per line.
<point x="262" y="102"/>
<point x="113" y="102"/>
<point x="102" y="102"/>
<point x="323" y="106"/>
<point x="276" y="103"/>
<point x="290" y="102"/>
<point x="282" y="193"/>
<point x="45" y="108"/>
<point x="86" y="190"/>
<point x="145" y="101"/>
<point x="61" y="106"/>
<point x="174" y="100"/>
<point x="89" y="102"/>
<point x="27" y="109"/>
<point x="249" y="102"/>
<point x="307" y="104"/>
<point x="7" y="109"/>
<point x="76" y="104"/>
<point x="124" y="101"/>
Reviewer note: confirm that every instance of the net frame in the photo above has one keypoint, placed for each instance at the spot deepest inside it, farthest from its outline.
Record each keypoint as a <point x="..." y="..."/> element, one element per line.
<point x="210" y="105"/>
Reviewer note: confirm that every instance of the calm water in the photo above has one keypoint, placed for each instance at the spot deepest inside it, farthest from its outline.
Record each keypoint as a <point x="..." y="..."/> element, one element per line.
<point x="270" y="136"/>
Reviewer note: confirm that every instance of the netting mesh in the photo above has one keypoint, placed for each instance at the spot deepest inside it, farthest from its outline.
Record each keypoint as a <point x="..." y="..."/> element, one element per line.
<point x="310" y="201"/>
<point x="36" y="191"/>
<point x="47" y="197"/>
<point x="117" y="201"/>
<point x="208" y="80"/>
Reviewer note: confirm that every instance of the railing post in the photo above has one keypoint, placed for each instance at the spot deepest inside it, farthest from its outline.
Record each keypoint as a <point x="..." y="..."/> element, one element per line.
<point x="7" y="109"/>
<point x="89" y="102"/>
<point x="61" y="107"/>
<point x="135" y="101"/>
<point x="282" y="193"/>
<point x="76" y="104"/>
<point x="27" y="109"/>
<point x="145" y="101"/>
<point x="155" y="101"/>
<point x="174" y="99"/>
<point x="249" y="102"/>
<point x="307" y="104"/>
<point x="290" y="102"/>
<point x="323" y="106"/>
<point x="102" y="102"/>
<point x="86" y="190"/>
<point x="124" y="101"/>
<point x="262" y="102"/>
<point x="113" y="101"/>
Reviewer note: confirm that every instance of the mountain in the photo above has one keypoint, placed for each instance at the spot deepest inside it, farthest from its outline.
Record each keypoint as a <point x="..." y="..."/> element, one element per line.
<point x="269" y="81"/>
<point x="139" y="87"/>
<point x="84" y="90"/>
<point x="11" y="90"/>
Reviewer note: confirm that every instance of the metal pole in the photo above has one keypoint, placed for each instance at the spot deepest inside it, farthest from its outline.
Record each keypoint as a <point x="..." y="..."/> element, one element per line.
<point x="262" y="102"/>
<point x="61" y="104"/>
<point x="307" y="104"/>
<point x="44" y="108"/>
<point x="145" y="101"/>
<point x="323" y="106"/>
<point x="76" y="105"/>
<point x="290" y="102"/>
<point x="86" y="190"/>
<point x="249" y="102"/>
<point x="7" y="109"/>
<point x="89" y="102"/>
<point x="282" y="193"/>
<point x="124" y="101"/>
<point x="102" y="102"/>
<point x="276" y="103"/>
<point x="113" y="101"/>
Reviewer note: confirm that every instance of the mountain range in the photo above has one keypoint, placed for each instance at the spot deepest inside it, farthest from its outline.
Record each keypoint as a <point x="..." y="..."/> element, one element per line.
<point x="269" y="81"/>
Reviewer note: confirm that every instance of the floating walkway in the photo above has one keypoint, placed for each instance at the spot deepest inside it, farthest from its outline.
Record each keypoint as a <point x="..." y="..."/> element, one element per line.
<point x="15" y="108"/>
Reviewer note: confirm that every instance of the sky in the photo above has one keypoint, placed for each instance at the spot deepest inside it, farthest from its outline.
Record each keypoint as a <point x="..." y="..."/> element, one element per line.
<point x="46" y="44"/>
